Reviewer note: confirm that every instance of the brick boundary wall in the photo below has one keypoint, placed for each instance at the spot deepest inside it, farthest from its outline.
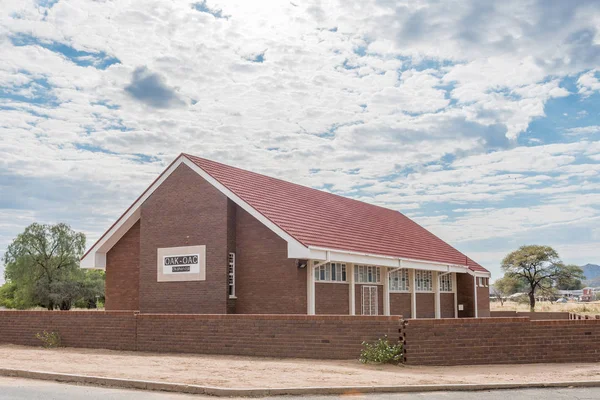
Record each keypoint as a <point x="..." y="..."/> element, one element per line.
<point x="331" y="336"/>
<point x="115" y="330"/>
<point x="534" y="316"/>
<point x="500" y="341"/>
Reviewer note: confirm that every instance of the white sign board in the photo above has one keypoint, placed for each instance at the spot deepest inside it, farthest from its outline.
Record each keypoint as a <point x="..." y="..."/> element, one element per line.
<point x="186" y="263"/>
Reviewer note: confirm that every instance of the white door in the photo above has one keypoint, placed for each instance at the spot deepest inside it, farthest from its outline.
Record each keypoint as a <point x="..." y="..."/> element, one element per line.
<point x="369" y="300"/>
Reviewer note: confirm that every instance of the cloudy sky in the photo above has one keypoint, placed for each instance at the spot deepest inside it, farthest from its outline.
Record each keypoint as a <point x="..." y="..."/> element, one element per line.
<point x="479" y="120"/>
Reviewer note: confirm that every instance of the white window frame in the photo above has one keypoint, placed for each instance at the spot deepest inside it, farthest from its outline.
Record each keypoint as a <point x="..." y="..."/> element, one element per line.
<point x="399" y="281"/>
<point x="363" y="272"/>
<point x="231" y="275"/>
<point x="332" y="272"/>
<point x="446" y="283"/>
<point x="423" y="281"/>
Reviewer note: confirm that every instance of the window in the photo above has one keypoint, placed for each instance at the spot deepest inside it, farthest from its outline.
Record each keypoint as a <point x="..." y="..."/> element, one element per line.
<point x="367" y="274"/>
<point x="423" y="281"/>
<point x="231" y="277"/>
<point x="330" y="272"/>
<point x="399" y="281"/>
<point x="446" y="283"/>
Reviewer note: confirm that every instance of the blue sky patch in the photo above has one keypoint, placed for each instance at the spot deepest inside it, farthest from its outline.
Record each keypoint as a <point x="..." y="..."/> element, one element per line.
<point x="99" y="60"/>
<point x="204" y="8"/>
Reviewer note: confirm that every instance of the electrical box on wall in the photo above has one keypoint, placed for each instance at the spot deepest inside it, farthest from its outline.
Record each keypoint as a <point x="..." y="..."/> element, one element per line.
<point x="461" y="307"/>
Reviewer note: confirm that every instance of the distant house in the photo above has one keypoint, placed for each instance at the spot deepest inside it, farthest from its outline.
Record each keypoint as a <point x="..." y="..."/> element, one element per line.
<point x="588" y="294"/>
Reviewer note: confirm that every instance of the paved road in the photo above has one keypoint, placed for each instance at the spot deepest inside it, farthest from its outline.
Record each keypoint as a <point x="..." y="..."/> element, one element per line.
<point x="25" y="389"/>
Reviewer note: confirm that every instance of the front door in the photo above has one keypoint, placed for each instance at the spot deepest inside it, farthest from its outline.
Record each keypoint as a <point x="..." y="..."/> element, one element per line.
<point x="369" y="300"/>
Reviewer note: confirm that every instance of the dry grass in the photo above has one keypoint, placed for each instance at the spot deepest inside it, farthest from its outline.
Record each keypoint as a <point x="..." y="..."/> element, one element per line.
<point x="591" y="308"/>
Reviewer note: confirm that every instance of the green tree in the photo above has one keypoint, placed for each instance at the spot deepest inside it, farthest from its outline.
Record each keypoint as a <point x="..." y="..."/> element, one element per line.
<point x="92" y="289"/>
<point x="540" y="267"/>
<point x="42" y="266"/>
<point x="572" y="282"/>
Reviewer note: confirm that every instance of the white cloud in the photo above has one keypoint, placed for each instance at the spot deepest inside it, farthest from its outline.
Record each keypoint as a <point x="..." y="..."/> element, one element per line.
<point x="583" y="130"/>
<point x="413" y="105"/>
<point x="588" y="83"/>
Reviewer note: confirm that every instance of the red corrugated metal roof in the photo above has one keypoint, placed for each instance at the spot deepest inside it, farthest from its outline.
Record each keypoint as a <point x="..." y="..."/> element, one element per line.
<point x="317" y="218"/>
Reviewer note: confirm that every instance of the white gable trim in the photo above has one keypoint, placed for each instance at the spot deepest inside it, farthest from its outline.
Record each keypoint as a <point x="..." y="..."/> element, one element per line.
<point x="96" y="255"/>
<point x="295" y="248"/>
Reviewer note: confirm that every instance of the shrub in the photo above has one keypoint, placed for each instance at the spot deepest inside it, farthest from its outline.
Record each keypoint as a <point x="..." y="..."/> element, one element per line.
<point x="382" y="352"/>
<point x="50" y="340"/>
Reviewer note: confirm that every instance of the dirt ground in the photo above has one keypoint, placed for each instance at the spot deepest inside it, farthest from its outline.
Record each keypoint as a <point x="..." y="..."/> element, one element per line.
<point x="247" y="372"/>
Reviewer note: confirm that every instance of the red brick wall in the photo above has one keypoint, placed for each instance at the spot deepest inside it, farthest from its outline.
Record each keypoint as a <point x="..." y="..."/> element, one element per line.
<point x="447" y="305"/>
<point x="267" y="281"/>
<point x="483" y="301"/>
<point x="123" y="272"/>
<point x="466" y="295"/>
<point x="184" y="211"/>
<point x="92" y="329"/>
<point x="500" y="341"/>
<point x="425" y="305"/>
<point x="358" y="298"/>
<point x="332" y="298"/>
<point x="335" y="337"/>
<point x="400" y="304"/>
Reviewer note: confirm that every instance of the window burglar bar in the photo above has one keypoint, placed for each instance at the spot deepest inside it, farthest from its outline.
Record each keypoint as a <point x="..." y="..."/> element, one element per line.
<point x="367" y="274"/>
<point x="399" y="281"/>
<point x="231" y="280"/>
<point x="446" y="283"/>
<point x="424" y="280"/>
<point x="330" y="272"/>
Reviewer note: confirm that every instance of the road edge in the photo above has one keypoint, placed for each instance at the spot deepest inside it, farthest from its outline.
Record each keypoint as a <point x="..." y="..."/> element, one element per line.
<point x="262" y="392"/>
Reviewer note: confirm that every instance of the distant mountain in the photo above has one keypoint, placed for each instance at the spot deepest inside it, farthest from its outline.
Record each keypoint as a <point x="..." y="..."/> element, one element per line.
<point x="592" y="275"/>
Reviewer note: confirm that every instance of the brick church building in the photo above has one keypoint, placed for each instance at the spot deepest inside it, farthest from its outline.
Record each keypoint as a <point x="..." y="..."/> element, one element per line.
<point x="207" y="238"/>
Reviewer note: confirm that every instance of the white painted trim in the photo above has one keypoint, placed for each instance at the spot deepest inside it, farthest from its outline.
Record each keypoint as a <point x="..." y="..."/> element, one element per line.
<point x="352" y="291"/>
<point x="337" y="255"/>
<point x="413" y="293"/>
<point x="476" y="308"/>
<point x="455" y="295"/>
<point x="436" y="291"/>
<point x="310" y="289"/>
<point x="386" y="291"/>
<point x="294" y="246"/>
<point x="96" y="256"/>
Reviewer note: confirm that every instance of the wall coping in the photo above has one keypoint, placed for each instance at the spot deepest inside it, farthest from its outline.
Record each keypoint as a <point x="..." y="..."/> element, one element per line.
<point x="60" y="312"/>
<point x="459" y="321"/>
<point x="295" y="317"/>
